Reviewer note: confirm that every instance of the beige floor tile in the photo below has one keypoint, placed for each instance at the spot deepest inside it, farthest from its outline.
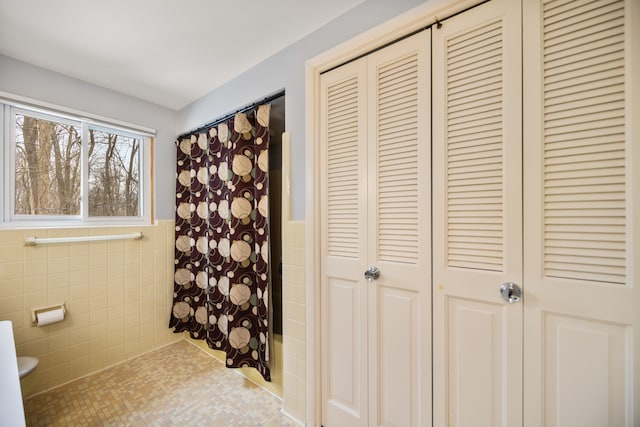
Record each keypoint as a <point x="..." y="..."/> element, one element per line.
<point x="177" y="385"/>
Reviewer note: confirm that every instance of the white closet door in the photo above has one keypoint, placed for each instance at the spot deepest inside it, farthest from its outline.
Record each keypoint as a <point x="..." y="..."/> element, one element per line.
<point x="582" y="213"/>
<point x="345" y="379"/>
<point x="376" y="212"/>
<point x="477" y="217"/>
<point x="399" y="235"/>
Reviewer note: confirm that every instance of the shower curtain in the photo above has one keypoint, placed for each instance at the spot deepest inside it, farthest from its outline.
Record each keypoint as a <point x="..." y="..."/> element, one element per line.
<point x="221" y="276"/>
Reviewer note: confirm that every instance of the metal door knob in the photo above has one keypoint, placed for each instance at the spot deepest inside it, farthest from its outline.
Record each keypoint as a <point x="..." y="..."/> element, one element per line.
<point x="372" y="274"/>
<point x="510" y="292"/>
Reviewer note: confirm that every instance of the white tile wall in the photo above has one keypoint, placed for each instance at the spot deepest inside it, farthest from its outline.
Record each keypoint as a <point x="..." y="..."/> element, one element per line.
<point x="118" y="295"/>
<point x="294" y="319"/>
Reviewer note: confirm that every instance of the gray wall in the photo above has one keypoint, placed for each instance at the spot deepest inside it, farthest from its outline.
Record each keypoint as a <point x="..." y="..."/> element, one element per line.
<point x="20" y="78"/>
<point x="285" y="70"/>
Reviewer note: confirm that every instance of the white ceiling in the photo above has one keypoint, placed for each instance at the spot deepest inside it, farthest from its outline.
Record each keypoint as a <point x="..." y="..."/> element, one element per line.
<point x="168" y="52"/>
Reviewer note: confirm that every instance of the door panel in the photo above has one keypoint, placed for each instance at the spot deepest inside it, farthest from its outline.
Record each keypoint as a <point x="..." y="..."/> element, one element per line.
<point x="582" y="323"/>
<point x="476" y="342"/>
<point x="399" y="237"/>
<point x="399" y="325"/>
<point x="584" y="364"/>
<point x="345" y="381"/>
<point x="344" y="354"/>
<point x="376" y="202"/>
<point x="477" y="217"/>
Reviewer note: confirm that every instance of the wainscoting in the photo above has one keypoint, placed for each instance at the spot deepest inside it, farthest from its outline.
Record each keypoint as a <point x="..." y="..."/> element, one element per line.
<point x="118" y="296"/>
<point x="294" y="319"/>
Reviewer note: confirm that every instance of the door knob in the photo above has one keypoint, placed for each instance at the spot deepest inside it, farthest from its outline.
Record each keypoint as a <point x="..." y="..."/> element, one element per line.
<point x="372" y="274"/>
<point x="510" y="292"/>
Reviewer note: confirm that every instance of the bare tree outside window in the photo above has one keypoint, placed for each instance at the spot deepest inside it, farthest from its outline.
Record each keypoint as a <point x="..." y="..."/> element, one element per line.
<point x="47" y="174"/>
<point x="48" y="171"/>
<point x="114" y="174"/>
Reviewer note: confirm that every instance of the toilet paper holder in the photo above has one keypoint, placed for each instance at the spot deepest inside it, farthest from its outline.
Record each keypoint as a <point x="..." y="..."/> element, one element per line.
<point x="36" y="311"/>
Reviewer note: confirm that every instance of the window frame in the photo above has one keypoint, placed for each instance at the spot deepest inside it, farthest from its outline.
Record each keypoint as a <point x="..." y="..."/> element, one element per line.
<point x="8" y="160"/>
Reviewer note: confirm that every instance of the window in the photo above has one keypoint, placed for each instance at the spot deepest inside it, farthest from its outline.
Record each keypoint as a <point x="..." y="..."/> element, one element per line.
<point x="114" y="173"/>
<point x="61" y="170"/>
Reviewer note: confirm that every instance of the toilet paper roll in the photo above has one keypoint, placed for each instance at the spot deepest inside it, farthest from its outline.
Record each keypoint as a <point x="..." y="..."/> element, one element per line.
<point x="48" y="317"/>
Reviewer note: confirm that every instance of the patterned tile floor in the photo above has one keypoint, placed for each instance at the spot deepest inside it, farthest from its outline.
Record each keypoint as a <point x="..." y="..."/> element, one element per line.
<point x="177" y="385"/>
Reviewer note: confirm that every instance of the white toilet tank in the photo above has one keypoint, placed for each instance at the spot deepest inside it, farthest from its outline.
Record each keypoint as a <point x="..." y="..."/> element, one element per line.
<point x="10" y="394"/>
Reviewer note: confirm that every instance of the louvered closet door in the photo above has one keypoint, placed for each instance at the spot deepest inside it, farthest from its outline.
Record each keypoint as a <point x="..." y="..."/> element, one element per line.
<point x="582" y="214"/>
<point x="399" y="234"/>
<point x="477" y="217"/>
<point x="345" y="379"/>
<point x="376" y="212"/>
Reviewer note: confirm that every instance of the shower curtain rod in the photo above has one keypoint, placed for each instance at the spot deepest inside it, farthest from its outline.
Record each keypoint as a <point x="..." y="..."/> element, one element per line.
<point x="226" y="117"/>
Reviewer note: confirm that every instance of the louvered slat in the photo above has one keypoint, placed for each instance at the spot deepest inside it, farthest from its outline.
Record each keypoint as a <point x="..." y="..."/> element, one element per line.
<point x="474" y="149"/>
<point x="397" y="135"/>
<point x="584" y="141"/>
<point x="342" y="175"/>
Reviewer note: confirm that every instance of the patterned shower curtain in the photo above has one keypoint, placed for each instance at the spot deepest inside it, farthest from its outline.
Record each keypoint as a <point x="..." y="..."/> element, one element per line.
<point x="222" y="239"/>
